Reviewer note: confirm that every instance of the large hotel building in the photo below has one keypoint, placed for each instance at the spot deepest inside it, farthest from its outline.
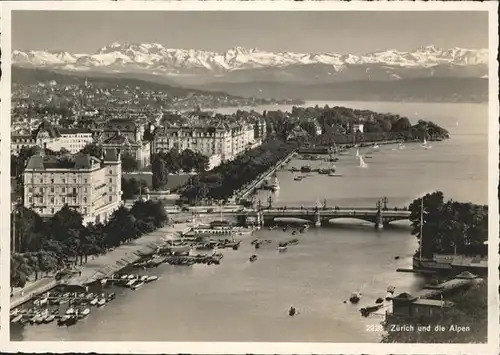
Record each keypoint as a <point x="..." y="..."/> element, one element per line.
<point x="89" y="185"/>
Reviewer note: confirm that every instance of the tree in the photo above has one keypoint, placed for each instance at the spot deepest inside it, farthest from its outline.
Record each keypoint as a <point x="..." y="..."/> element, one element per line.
<point x="129" y="163"/>
<point x="121" y="227"/>
<point x="449" y="226"/>
<point x="19" y="270"/>
<point x="93" y="149"/>
<point x="470" y="310"/>
<point x="160" y="173"/>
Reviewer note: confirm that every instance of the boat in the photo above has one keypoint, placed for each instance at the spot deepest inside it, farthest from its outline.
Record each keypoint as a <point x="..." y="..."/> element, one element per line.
<point x="305" y="169"/>
<point x="70" y="311"/>
<point x="94" y="301"/>
<point x="335" y="175"/>
<point x="379" y="300"/>
<point x="144" y="278"/>
<point x="362" y="163"/>
<point x="376" y="146"/>
<point x="101" y="302"/>
<point x="124" y="277"/>
<point x="131" y="283"/>
<point x="401" y="146"/>
<point x="84" y="313"/>
<point x="282" y="248"/>
<point x="62" y="321"/>
<point x="293" y="242"/>
<point x="425" y="145"/>
<point x="39" y="319"/>
<point x="292" y="311"/>
<point x="71" y="320"/>
<point x="152" y="278"/>
<point x="253" y="258"/>
<point x="111" y="296"/>
<point x="297" y="178"/>
<point x="17" y="318"/>
<point x="137" y="285"/>
<point x="131" y="277"/>
<point x="275" y="185"/>
<point x="49" y="319"/>
<point x="365" y="311"/>
<point x="355" y="297"/>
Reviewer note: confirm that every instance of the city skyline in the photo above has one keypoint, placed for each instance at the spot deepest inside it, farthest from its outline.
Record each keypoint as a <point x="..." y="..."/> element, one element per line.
<point x="354" y="32"/>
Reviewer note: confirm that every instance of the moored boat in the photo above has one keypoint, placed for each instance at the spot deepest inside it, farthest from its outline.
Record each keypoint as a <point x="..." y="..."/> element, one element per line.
<point x="365" y="311"/>
<point x="101" y="302"/>
<point x="137" y="285"/>
<point x="152" y="278"/>
<point x="49" y="319"/>
<point x="17" y="318"/>
<point x="253" y="258"/>
<point x="84" y="313"/>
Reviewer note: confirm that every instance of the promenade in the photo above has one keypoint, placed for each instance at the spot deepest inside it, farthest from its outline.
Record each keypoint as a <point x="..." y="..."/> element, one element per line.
<point x="103" y="265"/>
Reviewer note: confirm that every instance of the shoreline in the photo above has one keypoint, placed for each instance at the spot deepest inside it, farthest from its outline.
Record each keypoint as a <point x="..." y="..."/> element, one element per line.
<point x="104" y="265"/>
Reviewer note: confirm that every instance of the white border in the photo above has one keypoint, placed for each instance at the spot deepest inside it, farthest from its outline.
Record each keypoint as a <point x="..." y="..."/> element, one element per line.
<point x="257" y="348"/>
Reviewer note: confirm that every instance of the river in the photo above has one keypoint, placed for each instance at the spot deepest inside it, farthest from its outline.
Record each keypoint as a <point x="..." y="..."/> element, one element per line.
<point x="242" y="301"/>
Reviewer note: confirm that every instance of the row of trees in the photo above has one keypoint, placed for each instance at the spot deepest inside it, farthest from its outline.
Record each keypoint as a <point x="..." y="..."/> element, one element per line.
<point x="337" y="122"/>
<point x="49" y="245"/>
<point x="449" y="226"/>
<point x="222" y="182"/>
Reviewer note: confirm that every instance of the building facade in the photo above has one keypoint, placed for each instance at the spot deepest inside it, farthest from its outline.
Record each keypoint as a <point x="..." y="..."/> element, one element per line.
<point x="89" y="185"/>
<point x="50" y="137"/>
<point x="126" y="137"/>
<point x="224" y="140"/>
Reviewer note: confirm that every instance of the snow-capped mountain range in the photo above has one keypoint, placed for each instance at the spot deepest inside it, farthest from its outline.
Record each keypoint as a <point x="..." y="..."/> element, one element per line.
<point x="154" y="58"/>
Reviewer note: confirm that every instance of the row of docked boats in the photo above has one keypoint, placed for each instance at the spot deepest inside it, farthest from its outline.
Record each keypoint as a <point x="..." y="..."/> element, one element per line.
<point x="134" y="282"/>
<point x="49" y="307"/>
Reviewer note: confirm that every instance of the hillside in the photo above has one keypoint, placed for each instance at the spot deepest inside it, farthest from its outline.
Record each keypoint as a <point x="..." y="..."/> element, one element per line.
<point x="418" y="90"/>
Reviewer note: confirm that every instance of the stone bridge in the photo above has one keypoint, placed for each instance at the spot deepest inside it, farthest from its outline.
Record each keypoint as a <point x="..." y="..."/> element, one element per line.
<point x="321" y="216"/>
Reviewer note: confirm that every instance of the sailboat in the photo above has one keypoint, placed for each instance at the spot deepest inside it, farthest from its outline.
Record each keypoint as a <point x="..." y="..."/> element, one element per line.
<point x="362" y="163"/>
<point x="357" y="153"/>
<point x="275" y="185"/>
<point x="425" y="145"/>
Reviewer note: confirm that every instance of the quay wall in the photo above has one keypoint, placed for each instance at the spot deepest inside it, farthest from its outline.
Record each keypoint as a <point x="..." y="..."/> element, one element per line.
<point x="29" y="296"/>
<point x="245" y="190"/>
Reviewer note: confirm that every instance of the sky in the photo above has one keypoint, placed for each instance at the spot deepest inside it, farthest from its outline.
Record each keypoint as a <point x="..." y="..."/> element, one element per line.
<point x="354" y="32"/>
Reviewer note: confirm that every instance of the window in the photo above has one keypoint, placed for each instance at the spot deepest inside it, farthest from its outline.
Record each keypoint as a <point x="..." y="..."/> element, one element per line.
<point x="74" y="190"/>
<point x="52" y="210"/>
<point x="85" y="189"/>
<point x="51" y="189"/>
<point x="110" y="172"/>
<point x="63" y="181"/>
<point x="110" y="180"/>
<point x="51" y="181"/>
<point x="110" y="189"/>
<point x="41" y="190"/>
<point x="30" y="189"/>
<point x="74" y="181"/>
<point x="63" y="189"/>
<point x="30" y="199"/>
<point x="110" y="198"/>
<point x="84" y="200"/>
<point x="85" y="180"/>
<point x="52" y="200"/>
<point x="63" y="200"/>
